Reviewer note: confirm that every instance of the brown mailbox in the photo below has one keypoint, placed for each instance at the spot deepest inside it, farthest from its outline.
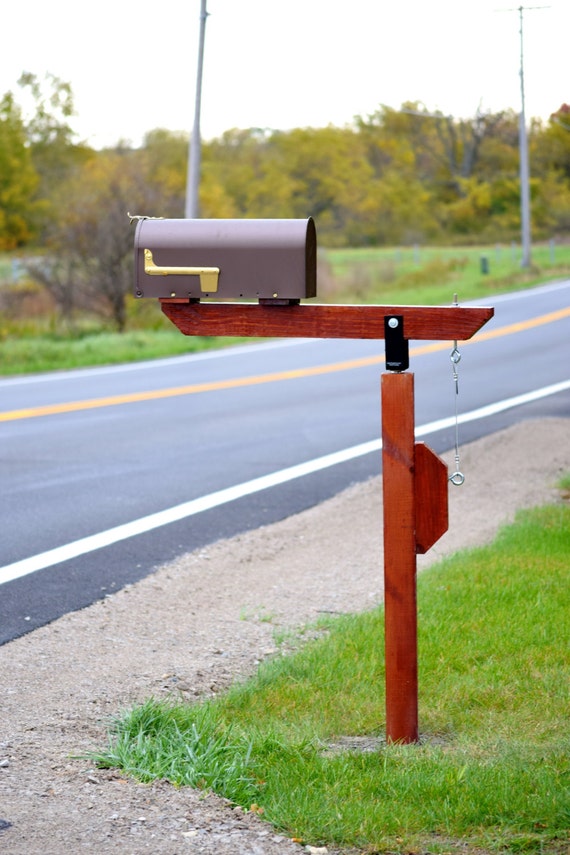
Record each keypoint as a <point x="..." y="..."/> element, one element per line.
<point x="226" y="259"/>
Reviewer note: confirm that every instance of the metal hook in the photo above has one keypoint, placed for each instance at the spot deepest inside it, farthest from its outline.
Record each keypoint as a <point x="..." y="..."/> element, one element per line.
<point x="133" y="217"/>
<point x="457" y="479"/>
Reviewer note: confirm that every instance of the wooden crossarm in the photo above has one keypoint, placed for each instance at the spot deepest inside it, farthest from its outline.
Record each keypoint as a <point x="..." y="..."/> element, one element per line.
<point x="323" y="321"/>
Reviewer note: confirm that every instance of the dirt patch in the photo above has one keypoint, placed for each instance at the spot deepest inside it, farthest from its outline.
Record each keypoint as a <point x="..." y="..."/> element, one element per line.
<point x="194" y="626"/>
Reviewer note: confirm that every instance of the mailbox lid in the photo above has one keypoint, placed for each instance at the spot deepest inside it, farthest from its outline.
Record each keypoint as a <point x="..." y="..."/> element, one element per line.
<point x="254" y="259"/>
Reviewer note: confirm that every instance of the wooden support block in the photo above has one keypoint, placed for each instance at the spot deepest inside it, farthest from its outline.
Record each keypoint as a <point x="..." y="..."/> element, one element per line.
<point x="431" y="497"/>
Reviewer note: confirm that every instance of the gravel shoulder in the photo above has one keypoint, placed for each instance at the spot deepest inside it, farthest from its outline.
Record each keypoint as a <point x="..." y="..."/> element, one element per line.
<point x="194" y="626"/>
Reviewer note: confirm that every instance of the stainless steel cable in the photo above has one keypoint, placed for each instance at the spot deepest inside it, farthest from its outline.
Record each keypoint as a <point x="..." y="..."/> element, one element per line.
<point x="457" y="478"/>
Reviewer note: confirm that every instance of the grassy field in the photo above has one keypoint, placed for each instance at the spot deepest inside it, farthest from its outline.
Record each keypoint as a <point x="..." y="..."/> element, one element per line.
<point x="432" y="275"/>
<point x="492" y="770"/>
<point x="32" y="339"/>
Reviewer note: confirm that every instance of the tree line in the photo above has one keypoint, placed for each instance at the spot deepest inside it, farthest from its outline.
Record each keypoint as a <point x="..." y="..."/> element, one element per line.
<point x="396" y="177"/>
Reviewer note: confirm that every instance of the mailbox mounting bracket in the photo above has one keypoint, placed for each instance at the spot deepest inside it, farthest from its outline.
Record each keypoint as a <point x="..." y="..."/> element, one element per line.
<point x="279" y="301"/>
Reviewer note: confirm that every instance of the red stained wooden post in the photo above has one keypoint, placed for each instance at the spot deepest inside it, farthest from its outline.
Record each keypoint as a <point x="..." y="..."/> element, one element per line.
<point x="399" y="557"/>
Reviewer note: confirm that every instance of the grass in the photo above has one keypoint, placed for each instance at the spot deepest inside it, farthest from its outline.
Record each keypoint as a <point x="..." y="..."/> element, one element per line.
<point x="33" y="340"/>
<point x="492" y="770"/>
<point x="432" y="275"/>
<point x="52" y="352"/>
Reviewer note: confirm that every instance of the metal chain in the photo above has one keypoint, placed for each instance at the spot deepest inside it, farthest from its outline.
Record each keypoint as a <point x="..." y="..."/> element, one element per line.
<point x="457" y="478"/>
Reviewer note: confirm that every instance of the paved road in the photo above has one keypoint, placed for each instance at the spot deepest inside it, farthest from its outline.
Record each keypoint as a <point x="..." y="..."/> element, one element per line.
<point x="85" y="452"/>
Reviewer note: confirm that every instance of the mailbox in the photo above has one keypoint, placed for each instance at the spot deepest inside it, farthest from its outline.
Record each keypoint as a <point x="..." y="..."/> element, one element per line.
<point x="226" y="259"/>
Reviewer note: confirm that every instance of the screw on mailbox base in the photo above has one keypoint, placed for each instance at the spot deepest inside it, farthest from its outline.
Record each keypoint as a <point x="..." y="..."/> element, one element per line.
<point x="278" y="301"/>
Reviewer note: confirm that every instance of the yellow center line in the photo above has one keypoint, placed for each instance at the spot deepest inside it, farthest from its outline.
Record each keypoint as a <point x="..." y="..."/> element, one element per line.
<point x="236" y="383"/>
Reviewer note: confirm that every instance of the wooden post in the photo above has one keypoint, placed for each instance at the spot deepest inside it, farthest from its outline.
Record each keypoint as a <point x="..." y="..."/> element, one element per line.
<point x="397" y="392"/>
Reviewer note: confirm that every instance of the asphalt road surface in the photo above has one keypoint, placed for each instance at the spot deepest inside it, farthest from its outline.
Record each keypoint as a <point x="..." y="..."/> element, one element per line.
<point x="108" y="472"/>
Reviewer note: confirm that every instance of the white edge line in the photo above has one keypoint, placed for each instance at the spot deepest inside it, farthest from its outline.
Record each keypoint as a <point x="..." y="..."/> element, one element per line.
<point x="230" y="494"/>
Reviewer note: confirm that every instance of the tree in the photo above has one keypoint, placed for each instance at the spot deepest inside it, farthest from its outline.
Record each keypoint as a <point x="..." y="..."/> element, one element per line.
<point x="18" y="178"/>
<point x="236" y="162"/>
<point x="406" y="184"/>
<point x="551" y="147"/>
<point x="60" y="275"/>
<point x="329" y="176"/>
<point x="93" y="234"/>
<point x="50" y="139"/>
<point x="162" y="162"/>
<point x="89" y="243"/>
<point x="320" y="172"/>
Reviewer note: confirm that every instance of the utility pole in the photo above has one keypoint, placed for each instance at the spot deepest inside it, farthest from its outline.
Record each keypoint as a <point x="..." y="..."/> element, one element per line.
<point x="194" y="149"/>
<point x="523" y="161"/>
<point x="523" y="153"/>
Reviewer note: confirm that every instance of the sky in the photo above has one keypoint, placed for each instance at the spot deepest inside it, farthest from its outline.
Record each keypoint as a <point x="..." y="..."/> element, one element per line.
<point x="282" y="64"/>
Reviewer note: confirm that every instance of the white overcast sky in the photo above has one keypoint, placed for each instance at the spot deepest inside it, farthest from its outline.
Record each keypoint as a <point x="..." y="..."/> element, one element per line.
<point x="284" y="63"/>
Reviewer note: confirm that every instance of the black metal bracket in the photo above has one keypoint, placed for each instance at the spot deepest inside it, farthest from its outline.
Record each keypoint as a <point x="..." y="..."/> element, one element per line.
<point x="279" y="301"/>
<point x="397" y="350"/>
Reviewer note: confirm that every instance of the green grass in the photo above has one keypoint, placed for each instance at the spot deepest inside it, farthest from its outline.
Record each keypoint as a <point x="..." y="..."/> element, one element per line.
<point x="492" y="770"/>
<point x="432" y="275"/>
<point x="52" y="352"/>
<point x="34" y="341"/>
